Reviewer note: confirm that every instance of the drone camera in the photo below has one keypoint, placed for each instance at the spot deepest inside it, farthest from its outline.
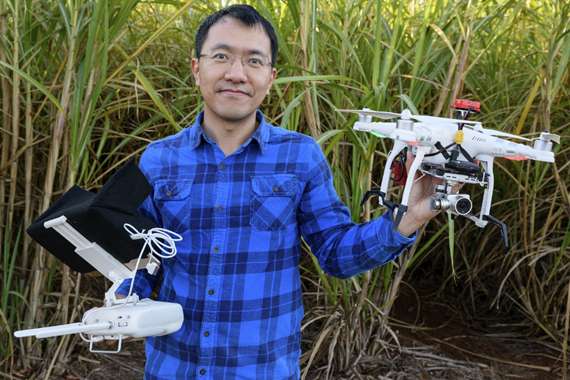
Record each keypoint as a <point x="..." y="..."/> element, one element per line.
<point x="462" y="204"/>
<point x="458" y="203"/>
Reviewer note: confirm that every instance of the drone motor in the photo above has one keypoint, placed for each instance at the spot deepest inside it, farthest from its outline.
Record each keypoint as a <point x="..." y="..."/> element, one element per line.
<point x="544" y="142"/>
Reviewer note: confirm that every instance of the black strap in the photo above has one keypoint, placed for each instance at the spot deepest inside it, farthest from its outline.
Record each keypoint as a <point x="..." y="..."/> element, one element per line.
<point x="465" y="154"/>
<point x="399" y="215"/>
<point x="441" y="150"/>
<point x="375" y="191"/>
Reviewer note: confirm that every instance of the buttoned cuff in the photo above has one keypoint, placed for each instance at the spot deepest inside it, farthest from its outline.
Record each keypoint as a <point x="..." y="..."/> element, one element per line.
<point x="397" y="237"/>
<point x="142" y="287"/>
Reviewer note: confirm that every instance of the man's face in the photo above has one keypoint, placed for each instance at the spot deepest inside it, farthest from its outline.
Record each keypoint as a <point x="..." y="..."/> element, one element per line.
<point x="233" y="91"/>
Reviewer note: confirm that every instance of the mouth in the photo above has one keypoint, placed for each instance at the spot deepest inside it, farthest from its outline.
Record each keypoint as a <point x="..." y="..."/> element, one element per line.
<point x="234" y="91"/>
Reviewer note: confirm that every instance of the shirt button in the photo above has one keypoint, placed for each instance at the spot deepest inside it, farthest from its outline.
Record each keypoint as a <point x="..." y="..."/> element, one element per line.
<point x="206" y="334"/>
<point x="276" y="189"/>
<point x="222" y="166"/>
<point x="211" y="292"/>
<point x="202" y="372"/>
<point x="216" y="249"/>
<point x="219" y="207"/>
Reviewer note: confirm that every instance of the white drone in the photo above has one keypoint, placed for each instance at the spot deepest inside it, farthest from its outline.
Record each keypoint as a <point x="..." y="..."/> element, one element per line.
<point x="455" y="150"/>
<point x="118" y="318"/>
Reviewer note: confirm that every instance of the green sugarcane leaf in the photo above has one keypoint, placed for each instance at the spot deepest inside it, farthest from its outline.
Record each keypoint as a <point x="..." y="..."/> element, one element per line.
<point x="155" y="96"/>
<point x="35" y="83"/>
<point x="451" y="240"/>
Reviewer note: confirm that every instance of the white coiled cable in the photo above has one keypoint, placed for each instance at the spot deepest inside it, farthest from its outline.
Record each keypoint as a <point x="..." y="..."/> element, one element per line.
<point x="161" y="243"/>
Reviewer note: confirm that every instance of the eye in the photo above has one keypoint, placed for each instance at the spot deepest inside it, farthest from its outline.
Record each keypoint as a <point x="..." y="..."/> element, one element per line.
<point x="220" y="57"/>
<point x="255" y="61"/>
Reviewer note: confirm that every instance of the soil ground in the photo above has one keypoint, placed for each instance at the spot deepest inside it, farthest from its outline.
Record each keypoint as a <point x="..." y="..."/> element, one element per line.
<point x="498" y="347"/>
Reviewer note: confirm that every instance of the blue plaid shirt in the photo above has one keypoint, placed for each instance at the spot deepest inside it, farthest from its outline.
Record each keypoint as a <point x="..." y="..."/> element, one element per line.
<point x="236" y="273"/>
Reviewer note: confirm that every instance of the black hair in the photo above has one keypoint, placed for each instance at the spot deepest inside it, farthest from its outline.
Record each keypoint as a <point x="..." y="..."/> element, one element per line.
<point x="245" y="14"/>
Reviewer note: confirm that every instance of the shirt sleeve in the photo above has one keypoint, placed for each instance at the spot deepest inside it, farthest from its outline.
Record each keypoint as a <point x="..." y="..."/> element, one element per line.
<point x="144" y="281"/>
<point x="342" y="247"/>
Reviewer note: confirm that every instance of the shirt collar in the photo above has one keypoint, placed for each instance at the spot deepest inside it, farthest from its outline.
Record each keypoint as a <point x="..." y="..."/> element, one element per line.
<point x="261" y="133"/>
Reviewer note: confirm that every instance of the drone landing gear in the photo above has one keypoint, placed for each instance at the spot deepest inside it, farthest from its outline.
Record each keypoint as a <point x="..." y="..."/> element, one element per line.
<point x="400" y="210"/>
<point x="502" y="226"/>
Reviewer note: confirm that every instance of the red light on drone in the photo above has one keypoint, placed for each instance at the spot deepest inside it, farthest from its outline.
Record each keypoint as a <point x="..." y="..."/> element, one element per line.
<point x="467" y="105"/>
<point x="517" y="158"/>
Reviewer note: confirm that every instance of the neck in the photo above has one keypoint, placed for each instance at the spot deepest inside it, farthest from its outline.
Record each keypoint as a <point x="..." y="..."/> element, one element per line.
<point x="228" y="134"/>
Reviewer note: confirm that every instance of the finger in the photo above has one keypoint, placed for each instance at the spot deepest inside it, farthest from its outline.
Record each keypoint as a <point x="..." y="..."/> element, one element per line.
<point x="437" y="181"/>
<point x="455" y="188"/>
<point x="409" y="160"/>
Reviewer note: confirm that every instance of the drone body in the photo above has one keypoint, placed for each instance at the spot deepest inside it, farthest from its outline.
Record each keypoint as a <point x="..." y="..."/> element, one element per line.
<point x="455" y="150"/>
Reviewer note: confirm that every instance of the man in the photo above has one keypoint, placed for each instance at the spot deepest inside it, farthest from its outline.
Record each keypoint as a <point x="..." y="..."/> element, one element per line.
<point x="242" y="193"/>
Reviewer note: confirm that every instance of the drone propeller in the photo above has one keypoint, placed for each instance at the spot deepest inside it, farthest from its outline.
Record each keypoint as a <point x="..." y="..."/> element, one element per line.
<point x="379" y="129"/>
<point x="433" y="120"/>
<point x="492" y="132"/>
<point x="378" y="114"/>
<point x="545" y="136"/>
<point x="406" y="114"/>
<point x="437" y="119"/>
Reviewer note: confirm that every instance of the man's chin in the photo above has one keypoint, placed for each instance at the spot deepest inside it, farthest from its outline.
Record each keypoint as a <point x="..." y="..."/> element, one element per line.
<point x="236" y="116"/>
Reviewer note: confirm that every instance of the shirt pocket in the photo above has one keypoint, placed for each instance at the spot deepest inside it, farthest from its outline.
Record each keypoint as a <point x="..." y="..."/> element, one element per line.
<point x="274" y="201"/>
<point x="173" y="201"/>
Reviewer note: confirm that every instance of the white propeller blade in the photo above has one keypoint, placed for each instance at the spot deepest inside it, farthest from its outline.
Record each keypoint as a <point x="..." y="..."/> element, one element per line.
<point x="545" y="136"/>
<point x="380" y="127"/>
<point x="378" y="114"/>
<point x="492" y="132"/>
<point x="435" y="120"/>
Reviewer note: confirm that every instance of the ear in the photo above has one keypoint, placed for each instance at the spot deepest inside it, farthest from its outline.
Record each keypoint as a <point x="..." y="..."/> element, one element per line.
<point x="196" y="70"/>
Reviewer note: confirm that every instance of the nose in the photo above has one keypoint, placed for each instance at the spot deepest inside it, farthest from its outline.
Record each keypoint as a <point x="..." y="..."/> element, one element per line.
<point x="236" y="71"/>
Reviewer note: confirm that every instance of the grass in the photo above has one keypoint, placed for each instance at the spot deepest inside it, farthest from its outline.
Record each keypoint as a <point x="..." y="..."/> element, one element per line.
<point x="87" y="84"/>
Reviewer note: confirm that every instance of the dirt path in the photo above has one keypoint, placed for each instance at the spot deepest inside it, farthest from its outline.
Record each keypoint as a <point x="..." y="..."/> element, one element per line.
<point x="492" y="342"/>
